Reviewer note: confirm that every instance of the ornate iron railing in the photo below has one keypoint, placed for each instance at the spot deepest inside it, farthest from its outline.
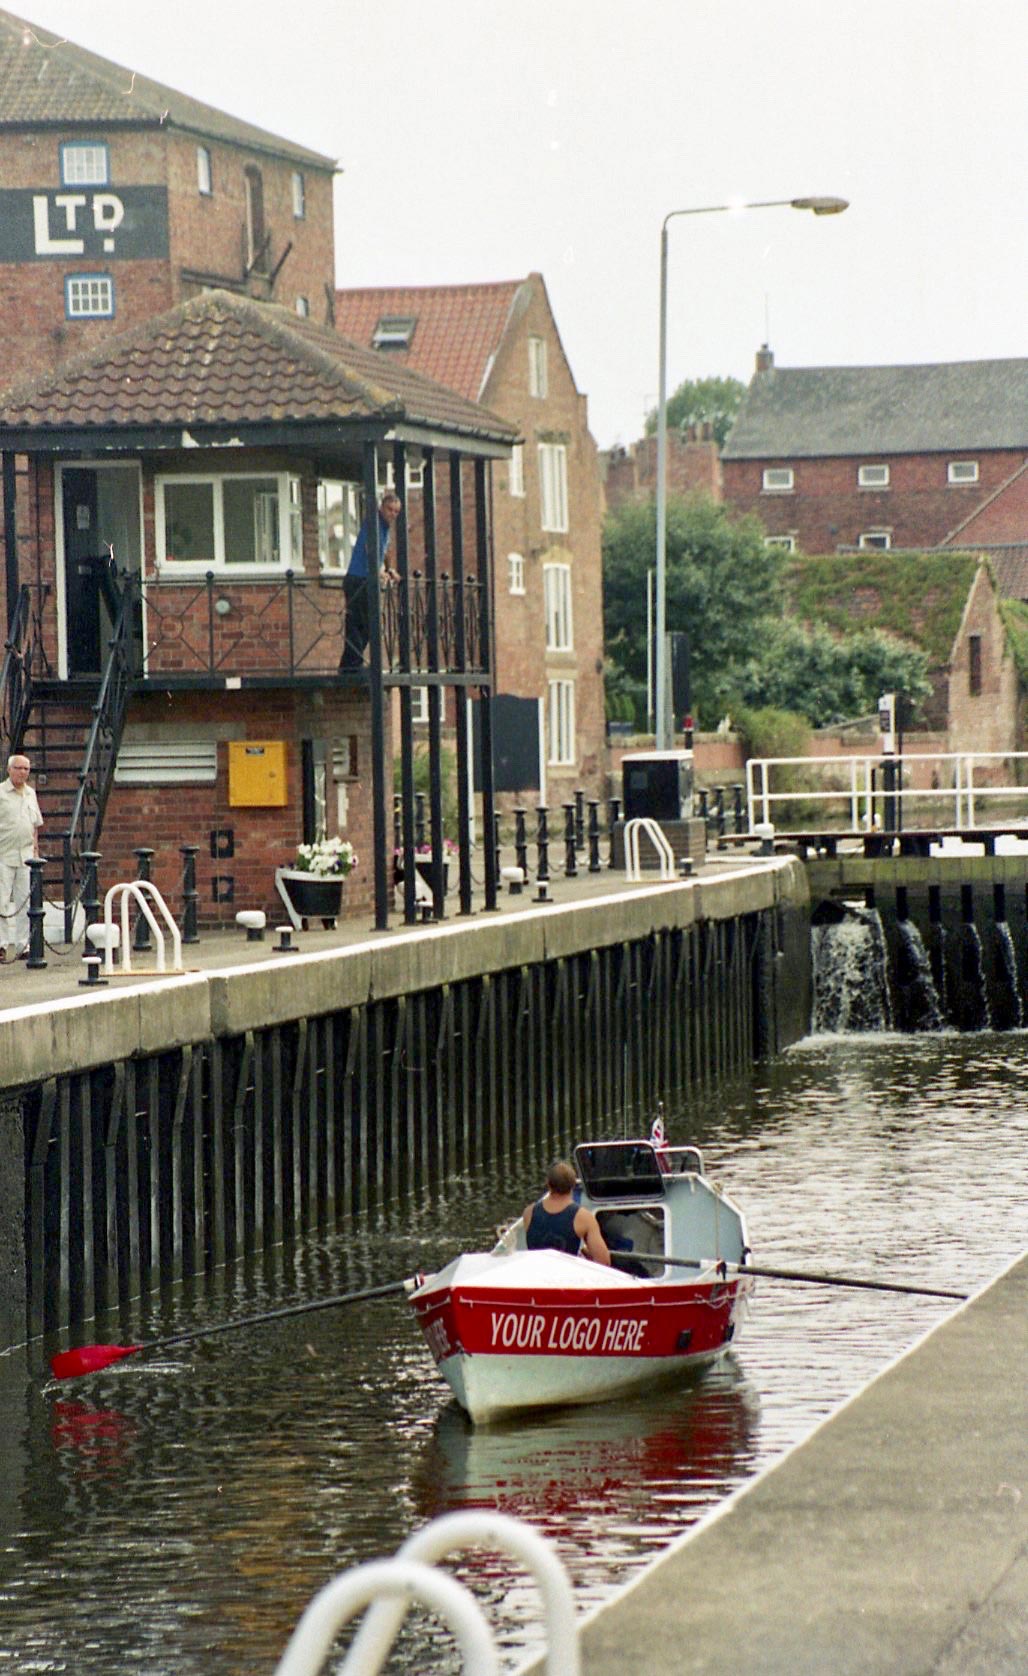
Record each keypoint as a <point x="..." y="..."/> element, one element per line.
<point x="294" y="625"/>
<point x="97" y="772"/>
<point x="24" y="662"/>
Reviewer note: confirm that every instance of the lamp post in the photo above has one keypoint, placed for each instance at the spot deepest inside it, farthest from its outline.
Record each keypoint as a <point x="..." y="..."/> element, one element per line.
<point x="819" y="206"/>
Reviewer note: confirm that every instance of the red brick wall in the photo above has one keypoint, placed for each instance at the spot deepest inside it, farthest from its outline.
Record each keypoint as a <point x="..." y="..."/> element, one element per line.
<point x="693" y="465"/>
<point x="826" y="510"/>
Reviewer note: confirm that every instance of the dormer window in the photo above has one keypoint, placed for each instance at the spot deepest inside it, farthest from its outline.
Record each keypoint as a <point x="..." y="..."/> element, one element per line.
<point x="962" y="471"/>
<point x="85" y="163"/>
<point x="778" y="480"/>
<point x="394" y="331"/>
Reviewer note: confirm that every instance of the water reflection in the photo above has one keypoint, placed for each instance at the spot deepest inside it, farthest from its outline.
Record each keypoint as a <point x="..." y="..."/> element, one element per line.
<point x="176" y="1516"/>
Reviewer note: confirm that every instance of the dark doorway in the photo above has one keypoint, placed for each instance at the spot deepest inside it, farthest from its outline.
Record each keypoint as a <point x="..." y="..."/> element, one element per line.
<point x="83" y="569"/>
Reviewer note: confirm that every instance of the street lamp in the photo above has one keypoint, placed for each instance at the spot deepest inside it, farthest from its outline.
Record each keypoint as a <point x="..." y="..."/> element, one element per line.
<point x="819" y="206"/>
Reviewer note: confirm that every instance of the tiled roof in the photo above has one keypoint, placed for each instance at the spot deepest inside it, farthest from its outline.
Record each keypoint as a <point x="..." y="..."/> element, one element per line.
<point x="45" y="79"/>
<point x="1010" y="568"/>
<point x="1000" y="518"/>
<point x="814" y="412"/>
<point x="220" y="359"/>
<point x="457" y="328"/>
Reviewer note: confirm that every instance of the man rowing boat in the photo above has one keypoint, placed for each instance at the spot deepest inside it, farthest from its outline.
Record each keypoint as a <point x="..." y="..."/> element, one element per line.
<point x="556" y="1223"/>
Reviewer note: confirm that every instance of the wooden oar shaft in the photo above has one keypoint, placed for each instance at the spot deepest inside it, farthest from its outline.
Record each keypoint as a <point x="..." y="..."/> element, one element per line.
<point x="803" y="1276"/>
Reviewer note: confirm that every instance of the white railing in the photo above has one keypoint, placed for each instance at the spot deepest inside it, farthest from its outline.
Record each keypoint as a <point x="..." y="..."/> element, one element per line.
<point x="390" y="1586"/>
<point x="862" y="797"/>
<point x="138" y="890"/>
<point x="665" y="854"/>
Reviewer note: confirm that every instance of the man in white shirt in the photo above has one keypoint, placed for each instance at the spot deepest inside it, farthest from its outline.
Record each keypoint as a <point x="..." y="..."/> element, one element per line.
<point x="20" y="821"/>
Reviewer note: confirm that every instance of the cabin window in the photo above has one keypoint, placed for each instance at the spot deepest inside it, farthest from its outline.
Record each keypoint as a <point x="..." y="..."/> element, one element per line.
<point x="235" y="524"/>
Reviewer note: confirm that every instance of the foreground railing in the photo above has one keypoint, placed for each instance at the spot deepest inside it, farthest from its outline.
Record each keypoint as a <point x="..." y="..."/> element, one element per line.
<point x="97" y="772"/>
<point x="24" y="662"/>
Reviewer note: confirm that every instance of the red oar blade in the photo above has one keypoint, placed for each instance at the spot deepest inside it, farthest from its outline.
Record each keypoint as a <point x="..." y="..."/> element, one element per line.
<point x="89" y="1358"/>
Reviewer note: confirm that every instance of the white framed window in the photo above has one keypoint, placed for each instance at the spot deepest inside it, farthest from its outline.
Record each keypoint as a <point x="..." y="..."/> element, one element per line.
<point x="85" y="163"/>
<point x="515" y="573"/>
<point x="553" y="486"/>
<point x="394" y="331"/>
<point x="303" y="307"/>
<point x="88" y="296"/>
<point x="204" y="175"/>
<point x="786" y="542"/>
<point x="299" y="192"/>
<point x="516" y="474"/>
<point x="873" y="477"/>
<point x="561" y="715"/>
<point x="338" y="522"/>
<point x="962" y="471"/>
<point x="175" y="762"/>
<point x="538" y="382"/>
<point x="233" y="523"/>
<point x="778" y="480"/>
<point x="557" y="606"/>
<point x="881" y="539"/>
<point x="413" y="471"/>
<point x="419" y="706"/>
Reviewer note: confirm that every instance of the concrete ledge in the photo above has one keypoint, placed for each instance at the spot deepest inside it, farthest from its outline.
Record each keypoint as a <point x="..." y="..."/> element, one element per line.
<point x="85" y="1030"/>
<point x="893" y="1541"/>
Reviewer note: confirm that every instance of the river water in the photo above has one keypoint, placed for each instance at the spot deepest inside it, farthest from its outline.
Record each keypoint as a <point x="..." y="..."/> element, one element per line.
<point x="174" y="1515"/>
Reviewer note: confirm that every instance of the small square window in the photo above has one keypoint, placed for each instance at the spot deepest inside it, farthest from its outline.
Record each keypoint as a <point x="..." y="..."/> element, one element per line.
<point x="962" y="471"/>
<point x="85" y="163"/>
<point x="303" y="307"/>
<point x="873" y="477"/>
<point x="881" y="539"/>
<point x="778" y="480"/>
<point x="516" y="479"/>
<point x="515" y="573"/>
<point x="88" y="296"/>
<point x="299" y="196"/>
<point x="204" y="177"/>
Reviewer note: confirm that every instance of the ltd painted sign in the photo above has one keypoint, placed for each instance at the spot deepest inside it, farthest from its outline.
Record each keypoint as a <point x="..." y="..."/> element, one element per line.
<point x="88" y="223"/>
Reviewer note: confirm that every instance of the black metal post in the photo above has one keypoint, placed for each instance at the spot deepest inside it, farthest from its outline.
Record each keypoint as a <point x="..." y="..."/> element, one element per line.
<point x="737" y="810"/>
<point x="521" y="841"/>
<point x="483" y="546"/>
<point x="496" y="843"/>
<point x="570" y="857"/>
<point x="90" y="895"/>
<point x="141" y="935"/>
<point x="613" y="816"/>
<point x="719" y="811"/>
<point x="35" y="865"/>
<point x="704" y="798"/>
<point x="542" y="844"/>
<point x="579" y="819"/>
<point x="10" y="489"/>
<point x="461" y="699"/>
<point x="68" y="872"/>
<point x="379" y="816"/>
<point x="189" y="893"/>
<point x="419" y="818"/>
<point x="594" y="835"/>
<point x="397" y="827"/>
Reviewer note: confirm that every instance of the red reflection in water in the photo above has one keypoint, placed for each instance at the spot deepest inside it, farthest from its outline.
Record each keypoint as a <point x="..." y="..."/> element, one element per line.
<point x="99" y="1436"/>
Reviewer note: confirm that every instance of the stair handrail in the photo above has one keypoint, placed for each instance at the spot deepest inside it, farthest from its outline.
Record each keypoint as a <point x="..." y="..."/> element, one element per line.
<point x="24" y="652"/>
<point x="97" y="772"/>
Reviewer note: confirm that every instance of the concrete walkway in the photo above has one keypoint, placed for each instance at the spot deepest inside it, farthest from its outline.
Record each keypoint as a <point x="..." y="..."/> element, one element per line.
<point x="893" y="1541"/>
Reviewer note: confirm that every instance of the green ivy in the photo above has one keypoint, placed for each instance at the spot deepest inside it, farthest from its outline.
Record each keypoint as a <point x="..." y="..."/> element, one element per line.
<point x="916" y="596"/>
<point x="1014" y="617"/>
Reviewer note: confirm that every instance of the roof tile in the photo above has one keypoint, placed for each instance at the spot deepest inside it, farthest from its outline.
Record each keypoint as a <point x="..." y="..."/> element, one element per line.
<point x="457" y="328"/>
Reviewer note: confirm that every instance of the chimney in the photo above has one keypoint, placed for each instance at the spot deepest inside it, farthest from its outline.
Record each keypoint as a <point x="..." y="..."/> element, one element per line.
<point x="765" y="358"/>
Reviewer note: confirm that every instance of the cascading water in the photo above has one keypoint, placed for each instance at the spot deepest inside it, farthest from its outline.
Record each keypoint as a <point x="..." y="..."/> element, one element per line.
<point x="978" y="1013"/>
<point x="851" y="989"/>
<point x="1008" y="964"/>
<point x="917" y="1004"/>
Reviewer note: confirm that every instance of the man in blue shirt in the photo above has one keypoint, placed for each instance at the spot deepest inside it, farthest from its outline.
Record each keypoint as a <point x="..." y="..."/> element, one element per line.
<point x="355" y="582"/>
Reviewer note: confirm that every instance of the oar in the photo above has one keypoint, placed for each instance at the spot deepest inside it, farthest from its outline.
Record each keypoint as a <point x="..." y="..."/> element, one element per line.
<point x="91" y="1358"/>
<point x="805" y="1277"/>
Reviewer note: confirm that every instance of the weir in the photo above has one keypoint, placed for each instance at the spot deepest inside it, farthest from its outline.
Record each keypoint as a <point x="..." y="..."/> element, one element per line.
<point x="156" y="1132"/>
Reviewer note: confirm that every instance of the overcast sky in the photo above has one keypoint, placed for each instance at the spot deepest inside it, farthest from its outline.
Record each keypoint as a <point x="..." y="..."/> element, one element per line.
<point x="480" y="141"/>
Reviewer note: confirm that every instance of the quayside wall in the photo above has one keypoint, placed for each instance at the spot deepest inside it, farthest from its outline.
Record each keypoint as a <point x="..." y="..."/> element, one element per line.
<point x="159" y="1129"/>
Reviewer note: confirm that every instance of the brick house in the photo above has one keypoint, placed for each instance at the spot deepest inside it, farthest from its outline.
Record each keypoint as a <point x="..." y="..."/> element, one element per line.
<point x="120" y="197"/>
<point x="693" y="467"/>
<point x="173" y="562"/>
<point x="499" y="344"/>
<point x="875" y="457"/>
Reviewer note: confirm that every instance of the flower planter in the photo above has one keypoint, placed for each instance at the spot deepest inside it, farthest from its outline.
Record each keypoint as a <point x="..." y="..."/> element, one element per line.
<point x="310" y="896"/>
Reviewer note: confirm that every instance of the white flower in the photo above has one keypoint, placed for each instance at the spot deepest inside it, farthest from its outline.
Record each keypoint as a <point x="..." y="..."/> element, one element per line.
<point x="326" y="857"/>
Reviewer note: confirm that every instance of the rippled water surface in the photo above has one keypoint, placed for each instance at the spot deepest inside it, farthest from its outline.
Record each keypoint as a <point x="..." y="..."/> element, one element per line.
<point x="175" y="1514"/>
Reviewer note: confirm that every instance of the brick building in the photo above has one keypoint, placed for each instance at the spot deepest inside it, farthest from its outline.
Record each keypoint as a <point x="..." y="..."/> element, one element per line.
<point x="120" y="197"/>
<point x="693" y="467"/>
<point x="875" y="457"/>
<point x="498" y="344"/>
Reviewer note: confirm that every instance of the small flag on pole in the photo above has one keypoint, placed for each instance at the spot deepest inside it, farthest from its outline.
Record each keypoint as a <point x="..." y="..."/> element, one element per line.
<point x="658" y="1140"/>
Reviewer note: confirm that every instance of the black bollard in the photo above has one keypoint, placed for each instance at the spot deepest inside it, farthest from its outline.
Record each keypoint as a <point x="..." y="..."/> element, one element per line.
<point x="613" y="816"/>
<point x="570" y="857"/>
<point x="719" y="811"/>
<point x="90" y="895"/>
<point x="141" y="935"/>
<point x="579" y="819"/>
<point x="190" y="897"/>
<point x="35" y="865"/>
<point x="419" y="819"/>
<point x="594" y="835"/>
<point x="704" y="801"/>
<point x="737" y="810"/>
<point x="542" y="843"/>
<point x="496" y="845"/>
<point x="520" y="841"/>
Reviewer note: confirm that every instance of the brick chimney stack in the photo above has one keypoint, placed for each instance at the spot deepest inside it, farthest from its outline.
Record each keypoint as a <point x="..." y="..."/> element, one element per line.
<point x="765" y="358"/>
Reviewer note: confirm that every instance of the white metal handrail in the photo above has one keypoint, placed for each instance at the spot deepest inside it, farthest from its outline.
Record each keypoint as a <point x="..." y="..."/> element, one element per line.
<point x="860" y="794"/>
<point x="665" y="854"/>
<point x="139" y="890"/>
<point x="390" y="1597"/>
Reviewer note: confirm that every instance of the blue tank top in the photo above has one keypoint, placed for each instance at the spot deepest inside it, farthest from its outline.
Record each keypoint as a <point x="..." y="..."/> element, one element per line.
<point x="552" y="1230"/>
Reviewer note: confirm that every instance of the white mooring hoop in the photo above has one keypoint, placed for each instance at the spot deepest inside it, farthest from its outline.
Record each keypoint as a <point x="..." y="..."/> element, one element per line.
<point x="139" y="890"/>
<point x="665" y="854"/>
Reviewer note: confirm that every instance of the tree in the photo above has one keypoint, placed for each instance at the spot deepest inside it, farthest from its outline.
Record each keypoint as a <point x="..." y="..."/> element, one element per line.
<point x="722" y="582"/>
<point x="830" y="678"/>
<point x="698" y="400"/>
